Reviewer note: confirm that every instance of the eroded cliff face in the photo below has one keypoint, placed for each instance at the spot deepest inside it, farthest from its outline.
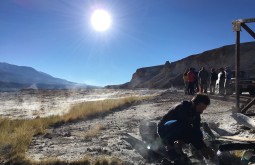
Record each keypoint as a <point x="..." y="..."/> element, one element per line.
<point x="170" y="74"/>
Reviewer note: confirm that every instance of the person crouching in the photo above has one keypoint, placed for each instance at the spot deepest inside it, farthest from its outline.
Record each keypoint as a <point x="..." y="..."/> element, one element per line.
<point x="181" y="124"/>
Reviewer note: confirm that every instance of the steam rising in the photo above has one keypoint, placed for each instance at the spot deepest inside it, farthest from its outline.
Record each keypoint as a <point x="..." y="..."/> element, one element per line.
<point x="32" y="103"/>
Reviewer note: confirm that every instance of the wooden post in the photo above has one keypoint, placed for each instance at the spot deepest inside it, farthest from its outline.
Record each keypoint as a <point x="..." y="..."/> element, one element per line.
<point x="236" y="25"/>
<point x="237" y="68"/>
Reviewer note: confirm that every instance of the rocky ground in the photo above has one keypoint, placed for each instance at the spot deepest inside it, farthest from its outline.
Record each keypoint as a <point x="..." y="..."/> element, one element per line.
<point x="70" y="142"/>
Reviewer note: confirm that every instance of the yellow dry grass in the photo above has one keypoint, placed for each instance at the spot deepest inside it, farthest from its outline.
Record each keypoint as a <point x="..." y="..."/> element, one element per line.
<point x="92" y="108"/>
<point x="16" y="135"/>
<point x="93" y="132"/>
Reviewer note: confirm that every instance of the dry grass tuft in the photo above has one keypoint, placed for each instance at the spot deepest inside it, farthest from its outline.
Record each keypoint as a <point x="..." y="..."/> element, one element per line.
<point x="83" y="161"/>
<point x="92" y="108"/>
<point x="93" y="132"/>
<point x="108" y="161"/>
<point x="16" y="135"/>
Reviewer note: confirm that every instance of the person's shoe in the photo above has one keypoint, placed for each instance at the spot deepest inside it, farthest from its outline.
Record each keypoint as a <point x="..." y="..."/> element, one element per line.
<point x="172" y="154"/>
<point x="177" y="158"/>
<point x="178" y="146"/>
<point x="182" y="160"/>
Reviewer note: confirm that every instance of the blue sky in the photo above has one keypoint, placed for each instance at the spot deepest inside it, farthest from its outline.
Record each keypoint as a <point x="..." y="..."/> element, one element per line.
<point x="56" y="36"/>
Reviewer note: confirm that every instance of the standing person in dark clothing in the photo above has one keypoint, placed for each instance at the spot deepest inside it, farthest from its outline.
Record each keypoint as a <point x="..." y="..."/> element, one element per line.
<point x="185" y="80"/>
<point x="221" y="77"/>
<point x="196" y="86"/>
<point x="203" y="77"/>
<point x="228" y="76"/>
<point x="182" y="124"/>
<point x="213" y="79"/>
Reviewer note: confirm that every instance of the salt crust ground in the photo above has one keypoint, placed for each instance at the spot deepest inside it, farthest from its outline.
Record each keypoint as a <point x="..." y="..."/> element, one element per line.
<point x="68" y="142"/>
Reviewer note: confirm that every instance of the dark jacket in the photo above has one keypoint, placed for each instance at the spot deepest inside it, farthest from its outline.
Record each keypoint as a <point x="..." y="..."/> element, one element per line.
<point x="214" y="76"/>
<point x="184" y="113"/>
<point x="222" y="77"/>
<point x="203" y="76"/>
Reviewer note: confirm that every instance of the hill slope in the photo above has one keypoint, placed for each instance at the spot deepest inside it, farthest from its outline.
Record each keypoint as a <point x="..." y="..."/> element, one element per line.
<point x="164" y="76"/>
<point x="15" y="77"/>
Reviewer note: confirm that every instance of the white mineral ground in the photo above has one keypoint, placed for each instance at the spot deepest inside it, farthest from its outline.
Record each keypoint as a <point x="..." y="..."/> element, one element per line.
<point x="68" y="141"/>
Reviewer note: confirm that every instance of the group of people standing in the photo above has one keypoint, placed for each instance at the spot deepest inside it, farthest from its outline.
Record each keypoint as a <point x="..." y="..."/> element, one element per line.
<point x="197" y="82"/>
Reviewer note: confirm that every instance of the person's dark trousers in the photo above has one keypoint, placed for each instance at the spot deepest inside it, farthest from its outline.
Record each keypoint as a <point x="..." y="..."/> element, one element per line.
<point x="197" y="86"/>
<point x="212" y="87"/>
<point x="175" y="130"/>
<point x="227" y="87"/>
<point x="191" y="88"/>
<point x="203" y="88"/>
<point x="221" y="88"/>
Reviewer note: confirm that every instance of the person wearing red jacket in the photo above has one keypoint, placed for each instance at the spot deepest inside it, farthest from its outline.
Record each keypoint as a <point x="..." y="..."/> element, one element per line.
<point x="191" y="81"/>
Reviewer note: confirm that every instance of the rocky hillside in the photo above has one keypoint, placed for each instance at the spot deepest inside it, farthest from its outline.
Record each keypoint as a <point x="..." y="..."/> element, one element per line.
<point x="15" y="77"/>
<point x="164" y="76"/>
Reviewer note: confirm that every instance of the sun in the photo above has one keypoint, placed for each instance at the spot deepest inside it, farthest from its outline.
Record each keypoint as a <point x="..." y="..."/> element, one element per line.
<point x="101" y="20"/>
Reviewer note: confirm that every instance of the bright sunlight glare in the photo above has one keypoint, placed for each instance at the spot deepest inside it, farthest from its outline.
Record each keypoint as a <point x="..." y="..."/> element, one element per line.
<point x="101" y="20"/>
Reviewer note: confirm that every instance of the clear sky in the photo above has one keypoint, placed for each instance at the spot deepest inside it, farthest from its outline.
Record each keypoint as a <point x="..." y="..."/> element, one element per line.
<point x="56" y="36"/>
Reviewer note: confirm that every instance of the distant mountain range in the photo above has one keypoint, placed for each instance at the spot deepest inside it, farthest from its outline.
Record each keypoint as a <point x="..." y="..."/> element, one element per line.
<point x="170" y="73"/>
<point x="13" y="77"/>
